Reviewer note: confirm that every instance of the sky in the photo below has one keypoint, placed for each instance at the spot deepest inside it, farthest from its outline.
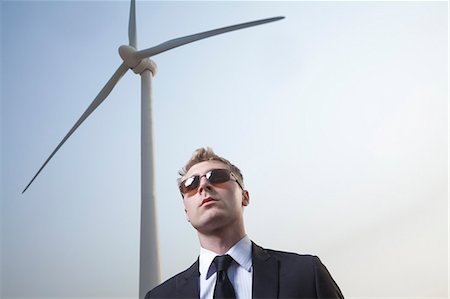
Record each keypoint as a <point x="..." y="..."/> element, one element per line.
<point x="337" y="117"/>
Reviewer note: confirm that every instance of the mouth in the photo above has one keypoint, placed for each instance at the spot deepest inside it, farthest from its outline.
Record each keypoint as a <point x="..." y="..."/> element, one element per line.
<point x="207" y="200"/>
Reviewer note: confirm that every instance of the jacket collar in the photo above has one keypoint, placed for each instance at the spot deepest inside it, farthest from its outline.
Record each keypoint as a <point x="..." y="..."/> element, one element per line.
<point x="188" y="284"/>
<point x="265" y="273"/>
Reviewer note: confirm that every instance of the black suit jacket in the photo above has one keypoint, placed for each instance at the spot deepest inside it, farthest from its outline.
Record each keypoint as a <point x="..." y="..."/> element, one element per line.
<point x="276" y="274"/>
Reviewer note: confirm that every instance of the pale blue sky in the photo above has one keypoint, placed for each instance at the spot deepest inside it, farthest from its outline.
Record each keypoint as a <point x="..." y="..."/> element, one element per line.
<point x="337" y="116"/>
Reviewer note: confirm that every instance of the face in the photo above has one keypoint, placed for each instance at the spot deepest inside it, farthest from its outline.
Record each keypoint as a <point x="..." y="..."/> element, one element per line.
<point x="214" y="207"/>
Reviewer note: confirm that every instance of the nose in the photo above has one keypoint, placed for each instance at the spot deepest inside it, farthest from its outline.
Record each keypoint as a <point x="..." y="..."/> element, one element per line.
<point x="203" y="185"/>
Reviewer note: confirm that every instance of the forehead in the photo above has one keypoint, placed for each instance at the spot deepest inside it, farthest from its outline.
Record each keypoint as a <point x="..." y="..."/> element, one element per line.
<point x="203" y="167"/>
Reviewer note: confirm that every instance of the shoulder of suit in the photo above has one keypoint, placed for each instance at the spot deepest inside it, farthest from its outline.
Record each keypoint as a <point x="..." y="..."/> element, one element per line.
<point x="169" y="286"/>
<point x="290" y="254"/>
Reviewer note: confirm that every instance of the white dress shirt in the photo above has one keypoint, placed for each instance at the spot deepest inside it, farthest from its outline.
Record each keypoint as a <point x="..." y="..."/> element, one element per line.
<point x="239" y="272"/>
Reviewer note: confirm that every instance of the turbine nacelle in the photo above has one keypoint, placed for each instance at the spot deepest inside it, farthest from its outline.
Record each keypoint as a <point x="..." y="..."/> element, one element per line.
<point x="129" y="57"/>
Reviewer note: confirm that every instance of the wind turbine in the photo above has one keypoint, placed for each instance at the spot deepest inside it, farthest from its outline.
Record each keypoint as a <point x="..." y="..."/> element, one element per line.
<point x="140" y="63"/>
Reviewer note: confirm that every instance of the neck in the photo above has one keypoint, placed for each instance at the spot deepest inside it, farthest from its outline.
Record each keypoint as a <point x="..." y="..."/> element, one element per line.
<point x="220" y="242"/>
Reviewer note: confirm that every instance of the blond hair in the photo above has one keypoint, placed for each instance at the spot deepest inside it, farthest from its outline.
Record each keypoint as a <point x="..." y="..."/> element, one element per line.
<point x="207" y="154"/>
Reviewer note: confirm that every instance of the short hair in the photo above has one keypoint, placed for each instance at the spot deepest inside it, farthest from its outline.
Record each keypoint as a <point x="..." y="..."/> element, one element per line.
<point x="207" y="154"/>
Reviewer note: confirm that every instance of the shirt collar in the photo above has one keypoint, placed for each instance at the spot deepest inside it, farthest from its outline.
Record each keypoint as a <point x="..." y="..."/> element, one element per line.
<point x="241" y="252"/>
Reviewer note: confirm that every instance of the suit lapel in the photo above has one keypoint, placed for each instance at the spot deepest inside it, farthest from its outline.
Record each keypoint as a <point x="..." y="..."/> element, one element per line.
<point x="188" y="283"/>
<point x="265" y="273"/>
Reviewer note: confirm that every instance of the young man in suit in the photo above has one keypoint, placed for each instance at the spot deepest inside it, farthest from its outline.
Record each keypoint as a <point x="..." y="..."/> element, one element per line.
<point x="230" y="265"/>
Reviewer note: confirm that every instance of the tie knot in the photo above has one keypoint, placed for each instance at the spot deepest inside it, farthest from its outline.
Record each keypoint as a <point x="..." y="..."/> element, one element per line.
<point x="222" y="262"/>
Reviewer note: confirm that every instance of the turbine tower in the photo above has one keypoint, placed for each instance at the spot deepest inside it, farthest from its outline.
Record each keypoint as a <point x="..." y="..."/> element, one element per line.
<point x="140" y="63"/>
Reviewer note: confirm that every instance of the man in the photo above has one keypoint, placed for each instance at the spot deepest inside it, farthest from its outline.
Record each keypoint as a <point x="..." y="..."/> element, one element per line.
<point x="230" y="265"/>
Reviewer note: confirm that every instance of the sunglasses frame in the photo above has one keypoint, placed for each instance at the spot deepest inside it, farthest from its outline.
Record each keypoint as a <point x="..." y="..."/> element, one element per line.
<point x="231" y="174"/>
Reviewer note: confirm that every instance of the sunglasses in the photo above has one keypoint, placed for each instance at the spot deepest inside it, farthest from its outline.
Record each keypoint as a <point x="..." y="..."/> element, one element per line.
<point x="214" y="176"/>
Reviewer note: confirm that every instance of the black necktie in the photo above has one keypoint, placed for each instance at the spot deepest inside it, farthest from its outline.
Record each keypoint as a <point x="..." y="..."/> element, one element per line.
<point x="223" y="288"/>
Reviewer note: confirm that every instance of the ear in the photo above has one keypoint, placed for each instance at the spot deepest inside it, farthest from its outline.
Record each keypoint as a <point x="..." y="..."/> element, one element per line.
<point x="185" y="211"/>
<point x="186" y="215"/>
<point x="245" y="198"/>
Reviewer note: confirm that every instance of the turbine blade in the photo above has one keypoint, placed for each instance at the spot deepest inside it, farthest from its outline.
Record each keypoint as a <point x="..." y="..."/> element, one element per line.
<point x="132" y="25"/>
<point x="195" y="37"/>
<point x="97" y="101"/>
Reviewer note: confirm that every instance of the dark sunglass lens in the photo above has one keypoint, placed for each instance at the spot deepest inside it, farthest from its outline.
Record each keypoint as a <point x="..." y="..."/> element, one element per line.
<point x="189" y="184"/>
<point x="218" y="176"/>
